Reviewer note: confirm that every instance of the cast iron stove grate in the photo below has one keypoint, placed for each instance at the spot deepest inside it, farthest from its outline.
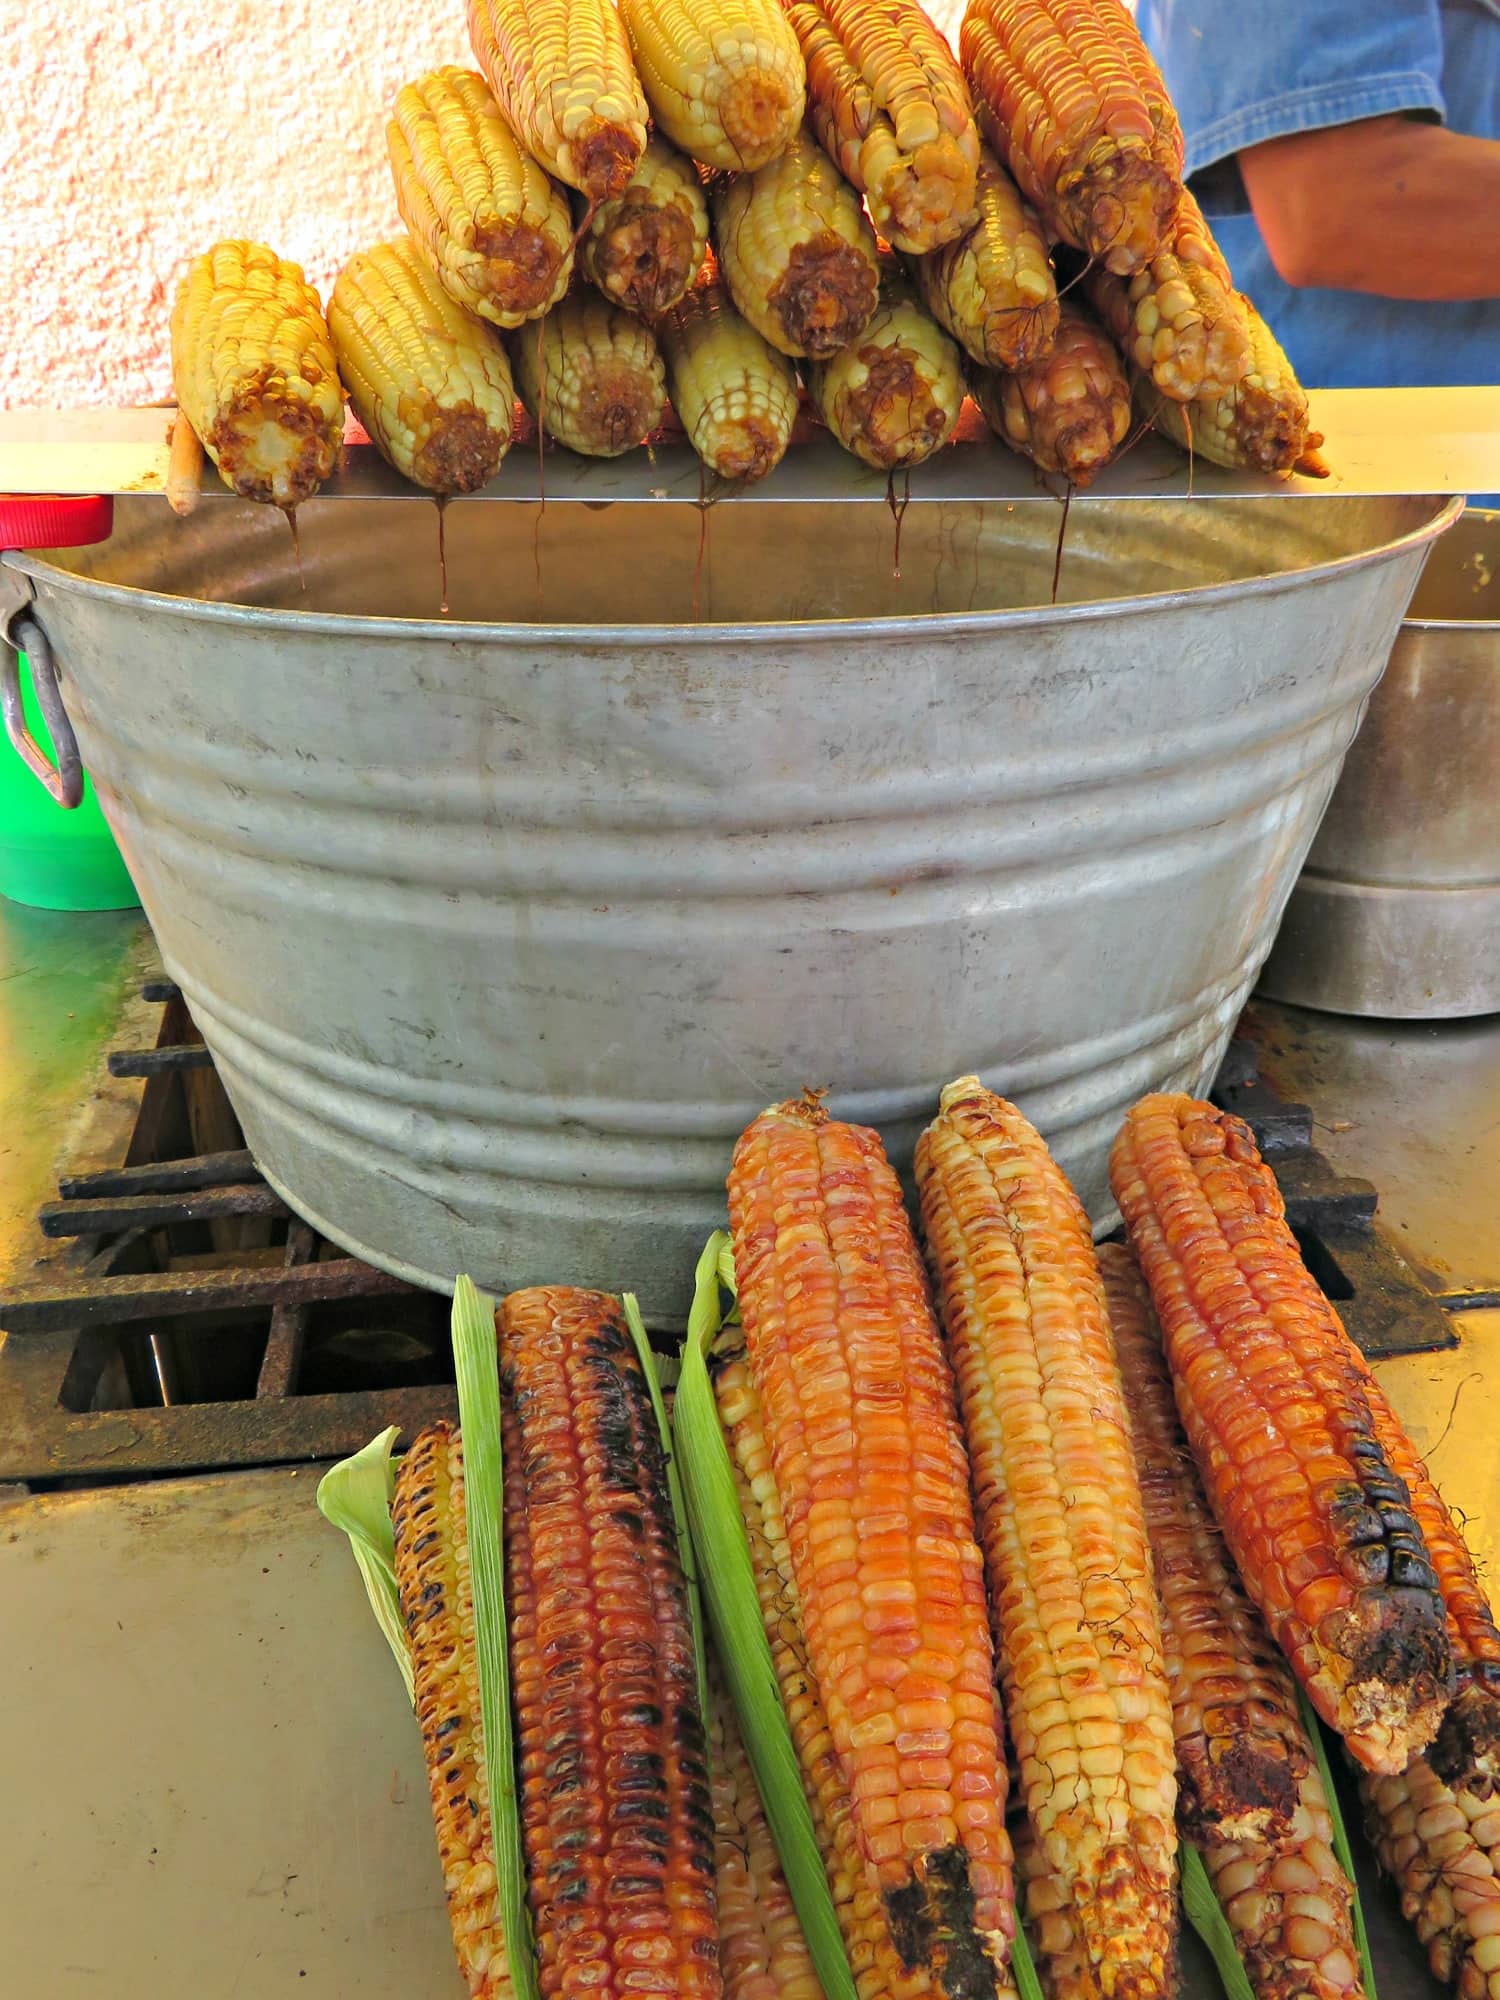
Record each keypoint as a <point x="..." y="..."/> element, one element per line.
<point x="194" y="1324"/>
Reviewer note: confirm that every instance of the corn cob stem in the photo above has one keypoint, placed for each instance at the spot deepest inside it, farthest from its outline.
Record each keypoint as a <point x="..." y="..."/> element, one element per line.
<point x="593" y="377"/>
<point x="1318" y="1521"/>
<point x="644" y="247"/>
<point x="993" y="287"/>
<point x="735" y="396"/>
<point x="1068" y="412"/>
<point x="562" y="73"/>
<point x="1062" y="1525"/>
<point x="724" y="78"/>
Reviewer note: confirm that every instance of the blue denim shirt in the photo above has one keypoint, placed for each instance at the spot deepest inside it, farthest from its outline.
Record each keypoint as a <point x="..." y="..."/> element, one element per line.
<point x="1241" y="74"/>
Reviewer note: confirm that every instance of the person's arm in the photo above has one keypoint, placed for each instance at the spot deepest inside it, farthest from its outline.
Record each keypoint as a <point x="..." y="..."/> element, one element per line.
<point x="1392" y="205"/>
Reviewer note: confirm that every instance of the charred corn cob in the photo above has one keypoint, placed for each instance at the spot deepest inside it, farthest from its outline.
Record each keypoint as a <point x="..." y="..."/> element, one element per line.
<point x="437" y="1607"/>
<point x="735" y="396"/>
<point x="893" y="397"/>
<point x="562" y="72"/>
<point x="762" y="1952"/>
<point x="1318" y="1520"/>
<point x="796" y="252"/>
<point x="617" y="1816"/>
<point x="993" y="288"/>
<point x="254" y="373"/>
<point x="891" y="110"/>
<point x="1067" y="94"/>
<point x="1261" y="423"/>
<point x="724" y="78"/>
<point x="429" y="383"/>
<point x="1061" y="1522"/>
<point x="1177" y="318"/>
<point x="870" y="1471"/>
<point x="1068" y="412"/>
<point x="644" y="247"/>
<point x="1441" y="1847"/>
<point x="593" y="377"/>
<point x="497" y="232"/>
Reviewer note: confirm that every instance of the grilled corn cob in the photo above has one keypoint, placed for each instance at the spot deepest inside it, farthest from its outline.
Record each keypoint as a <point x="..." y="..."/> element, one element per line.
<point x="497" y="232"/>
<point x="1262" y="423"/>
<point x="1068" y="412"/>
<point x="1052" y="1924"/>
<point x="993" y="288"/>
<point x="869" y="1467"/>
<point x="437" y="1608"/>
<point x="1319" y="1522"/>
<point x="562" y="72"/>
<point x="1441" y="1847"/>
<point x="891" y="110"/>
<point x="724" y="78"/>
<point x="1067" y="94"/>
<point x="796" y="251"/>
<point x="617" y="1814"/>
<point x="644" y="247"/>
<point x="893" y="397"/>
<point x="1062" y="1526"/>
<point x="429" y="383"/>
<point x="254" y="373"/>
<point x="1177" y="318"/>
<point x="762" y="1952"/>
<point x="735" y="396"/>
<point x="594" y="378"/>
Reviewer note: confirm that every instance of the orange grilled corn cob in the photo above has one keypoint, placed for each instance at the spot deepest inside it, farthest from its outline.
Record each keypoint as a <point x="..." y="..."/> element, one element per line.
<point x="1440" y="1844"/>
<point x="429" y="383"/>
<point x="892" y="397"/>
<point x="1068" y="412"/>
<point x="993" y="288"/>
<point x="762" y="1952"/>
<point x="437" y="1607"/>
<point x="1177" y="318"/>
<point x="594" y="377"/>
<point x="494" y="228"/>
<point x="890" y="108"/>
<point x="734" y="395"/>
<point x="870" y="1471"/>
<point x="1062" y="1525"/>
<point x="644" y="247"/>
<point x="1067" y="94"/>
<point x="562" y="72"/>
<point x="254" y="374"/>
<point x="1318" y="1520"/>
<point x="617" y="1816"/>
<point x="724" y="78"/>
<point x="796" y="251"/>
<point x="1261" y="423"/>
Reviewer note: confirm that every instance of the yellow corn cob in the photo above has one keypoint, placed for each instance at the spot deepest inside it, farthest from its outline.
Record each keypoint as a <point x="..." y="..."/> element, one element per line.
<point x="1441" y="1847"/>
<point x="437" y="1607"/>
<point x="1262" y="423"/>
<point x="644" y="247"/>
<point x="594" y="377"/>
<point x="894" y="396"/>
<point x="617" y="1813"/>
<point x="1068" y="412"/>
<point x="429" y="383"/>
<point x="796" y="251"/>
<point x="869" y="1467"/>
<point x="1177" y="318"/>
<point x="762" y="1952"/>
<point x="890" y="108"/>
<point x="1068" y="96"/>
<point x="724" y="78"/>
<point x="1271" y="1393"/>
<point x="1052" y="1925"/>
<point x="562" y="72"/>
<point x="734" y="395"/>
<point x="1062" y="1526"/>
<point x="254" y="373"/>
<point x="993" y="287"/>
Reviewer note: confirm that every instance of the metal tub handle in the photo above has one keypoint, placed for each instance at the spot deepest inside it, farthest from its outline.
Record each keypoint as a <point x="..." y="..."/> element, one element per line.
<point x="64" y="783"/>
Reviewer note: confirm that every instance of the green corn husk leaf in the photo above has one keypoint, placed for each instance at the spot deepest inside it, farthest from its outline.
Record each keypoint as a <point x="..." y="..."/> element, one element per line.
<point x="355" y="1495"/>
<point x="1341" y="1845"/>
<point x="728" y="1581"/>
<point x="476" y="1365"/>
<point x="1206" y="1915"/>
<point x="1022" y="1967"/>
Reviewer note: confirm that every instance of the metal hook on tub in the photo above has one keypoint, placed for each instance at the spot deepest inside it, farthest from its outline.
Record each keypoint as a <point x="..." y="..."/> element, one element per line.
<point x="64" y="782"/>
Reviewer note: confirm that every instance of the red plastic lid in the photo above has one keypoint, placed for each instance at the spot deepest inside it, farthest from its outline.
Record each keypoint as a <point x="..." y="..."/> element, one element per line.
<point x="54" y="521"/>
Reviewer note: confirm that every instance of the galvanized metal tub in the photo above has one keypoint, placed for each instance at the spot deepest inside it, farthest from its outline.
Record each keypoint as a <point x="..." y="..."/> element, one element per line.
<point x="1397" y="912"/>
<point x="500" y="932"/>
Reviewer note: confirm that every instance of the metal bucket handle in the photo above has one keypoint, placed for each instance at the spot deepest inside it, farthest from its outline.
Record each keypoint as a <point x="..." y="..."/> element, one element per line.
<point x="64" y="784"/>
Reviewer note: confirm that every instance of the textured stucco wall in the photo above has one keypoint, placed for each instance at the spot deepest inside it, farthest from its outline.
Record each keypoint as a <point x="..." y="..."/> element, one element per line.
<point x="136" y="132"/>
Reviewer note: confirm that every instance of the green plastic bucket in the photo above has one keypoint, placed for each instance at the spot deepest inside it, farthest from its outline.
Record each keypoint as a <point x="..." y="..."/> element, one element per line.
<point x="51" y="858"/>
